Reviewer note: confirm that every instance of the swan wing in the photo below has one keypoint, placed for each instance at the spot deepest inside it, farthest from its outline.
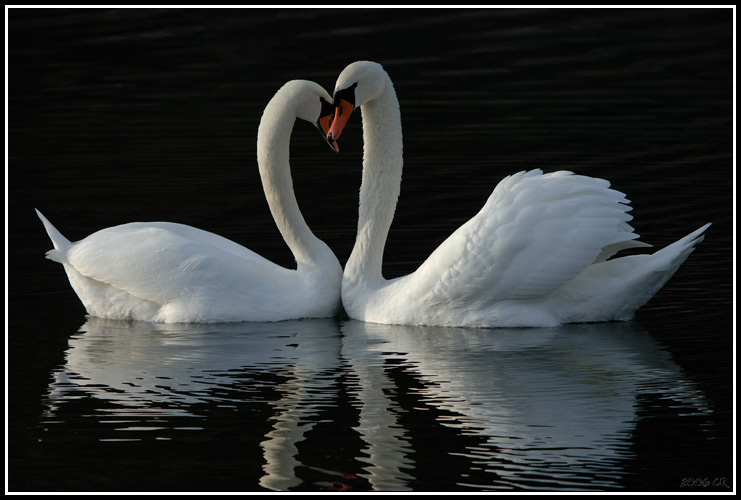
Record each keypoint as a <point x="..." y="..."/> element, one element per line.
<point x="535" y="233"/>
<point x="161" y="262"/>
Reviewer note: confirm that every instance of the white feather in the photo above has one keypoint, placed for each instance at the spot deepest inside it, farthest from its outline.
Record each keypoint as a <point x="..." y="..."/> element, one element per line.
<point x="535" y="255"/>
<point x="169" y="272"/>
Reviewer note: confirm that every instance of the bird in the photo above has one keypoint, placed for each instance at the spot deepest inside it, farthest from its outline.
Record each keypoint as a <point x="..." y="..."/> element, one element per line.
<point x="174" y="273"/>
<point x="536" y="255"/>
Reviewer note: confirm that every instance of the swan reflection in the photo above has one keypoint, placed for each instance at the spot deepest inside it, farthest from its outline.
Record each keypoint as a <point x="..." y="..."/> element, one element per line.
<point x="154" y="370"/>
<point x="552" y="406"/>
<point x="406" y="406"/>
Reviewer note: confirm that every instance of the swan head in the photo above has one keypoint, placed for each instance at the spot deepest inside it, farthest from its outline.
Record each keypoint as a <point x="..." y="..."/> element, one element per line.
<point x="313" y="104"/>
<point x="358" y="84"/>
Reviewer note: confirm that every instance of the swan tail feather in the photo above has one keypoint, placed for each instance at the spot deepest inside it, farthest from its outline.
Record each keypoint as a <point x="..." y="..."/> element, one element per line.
<point x="61" y="244"/>
<point x="660" y="267"/>
<point x="615" y="289"/>
<point x="678" y="251"/>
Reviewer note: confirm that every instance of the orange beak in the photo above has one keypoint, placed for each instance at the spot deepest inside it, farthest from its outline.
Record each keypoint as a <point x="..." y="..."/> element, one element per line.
<point x="341" y="115"/>
<point x="324" y="124"/>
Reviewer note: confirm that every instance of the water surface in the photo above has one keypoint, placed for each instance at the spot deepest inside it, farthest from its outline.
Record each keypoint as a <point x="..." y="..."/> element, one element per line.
<point x="119" y="115"/>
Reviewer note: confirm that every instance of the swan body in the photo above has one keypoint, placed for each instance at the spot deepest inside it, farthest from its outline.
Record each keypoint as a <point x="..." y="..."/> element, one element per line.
<point x="168" y="272"/>
<point x="535" y="255"/>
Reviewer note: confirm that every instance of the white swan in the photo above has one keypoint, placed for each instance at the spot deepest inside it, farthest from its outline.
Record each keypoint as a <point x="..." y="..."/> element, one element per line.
<point x="535" y="255"/>
<point x="167" y="272"/>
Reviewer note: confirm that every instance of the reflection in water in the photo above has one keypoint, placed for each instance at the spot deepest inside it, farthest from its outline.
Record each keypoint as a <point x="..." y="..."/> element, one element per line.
<point x="626" y="94"/>
<point x="168" y="370"/>
<point x="523" y="408"/>
<point x="556" y="406"/>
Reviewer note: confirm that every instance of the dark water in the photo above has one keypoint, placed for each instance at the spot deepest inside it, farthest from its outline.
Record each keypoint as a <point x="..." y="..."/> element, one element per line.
<point x="138" y="114"/>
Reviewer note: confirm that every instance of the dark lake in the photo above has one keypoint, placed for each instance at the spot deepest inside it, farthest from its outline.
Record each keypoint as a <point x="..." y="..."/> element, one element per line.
<point x="120" y="115"/>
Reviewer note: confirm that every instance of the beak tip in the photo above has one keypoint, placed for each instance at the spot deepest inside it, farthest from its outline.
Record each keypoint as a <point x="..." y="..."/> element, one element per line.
<point x="333" y="144"/>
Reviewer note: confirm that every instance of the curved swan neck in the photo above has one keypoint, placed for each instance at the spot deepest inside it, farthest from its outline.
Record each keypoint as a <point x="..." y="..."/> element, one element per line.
<point x="379" y="190"/>
<point x="273" y="142"/>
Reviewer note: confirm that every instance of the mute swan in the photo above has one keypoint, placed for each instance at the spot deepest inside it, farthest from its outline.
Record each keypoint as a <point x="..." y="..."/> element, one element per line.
<point x="535" y="255"/>
<point x="173" y="273"/>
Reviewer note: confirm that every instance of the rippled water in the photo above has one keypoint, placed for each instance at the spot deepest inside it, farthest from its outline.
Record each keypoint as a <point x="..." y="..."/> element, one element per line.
<point x="116" y="115"/>
<point x="543" y="409"/>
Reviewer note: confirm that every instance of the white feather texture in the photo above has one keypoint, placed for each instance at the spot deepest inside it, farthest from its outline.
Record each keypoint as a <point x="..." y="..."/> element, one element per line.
<point x="168" y="272"/>
<point x="535" y="255"/>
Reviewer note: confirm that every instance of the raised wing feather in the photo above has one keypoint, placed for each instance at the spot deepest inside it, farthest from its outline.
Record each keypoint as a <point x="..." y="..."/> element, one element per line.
<point x="536" y="232"/>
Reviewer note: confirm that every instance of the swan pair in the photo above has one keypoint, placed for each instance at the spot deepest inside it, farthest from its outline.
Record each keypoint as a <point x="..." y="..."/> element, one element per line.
<point x="535" y="255"/>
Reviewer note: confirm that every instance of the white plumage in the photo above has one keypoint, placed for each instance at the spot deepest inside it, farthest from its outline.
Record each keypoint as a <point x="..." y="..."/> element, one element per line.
<point x="535" y="255"/>
<point x="168" y="272"/>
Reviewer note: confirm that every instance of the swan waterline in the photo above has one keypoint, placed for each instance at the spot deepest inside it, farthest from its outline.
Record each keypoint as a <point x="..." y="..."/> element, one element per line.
<point x="174" y="273"/>
<point x="536" y="255"/>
